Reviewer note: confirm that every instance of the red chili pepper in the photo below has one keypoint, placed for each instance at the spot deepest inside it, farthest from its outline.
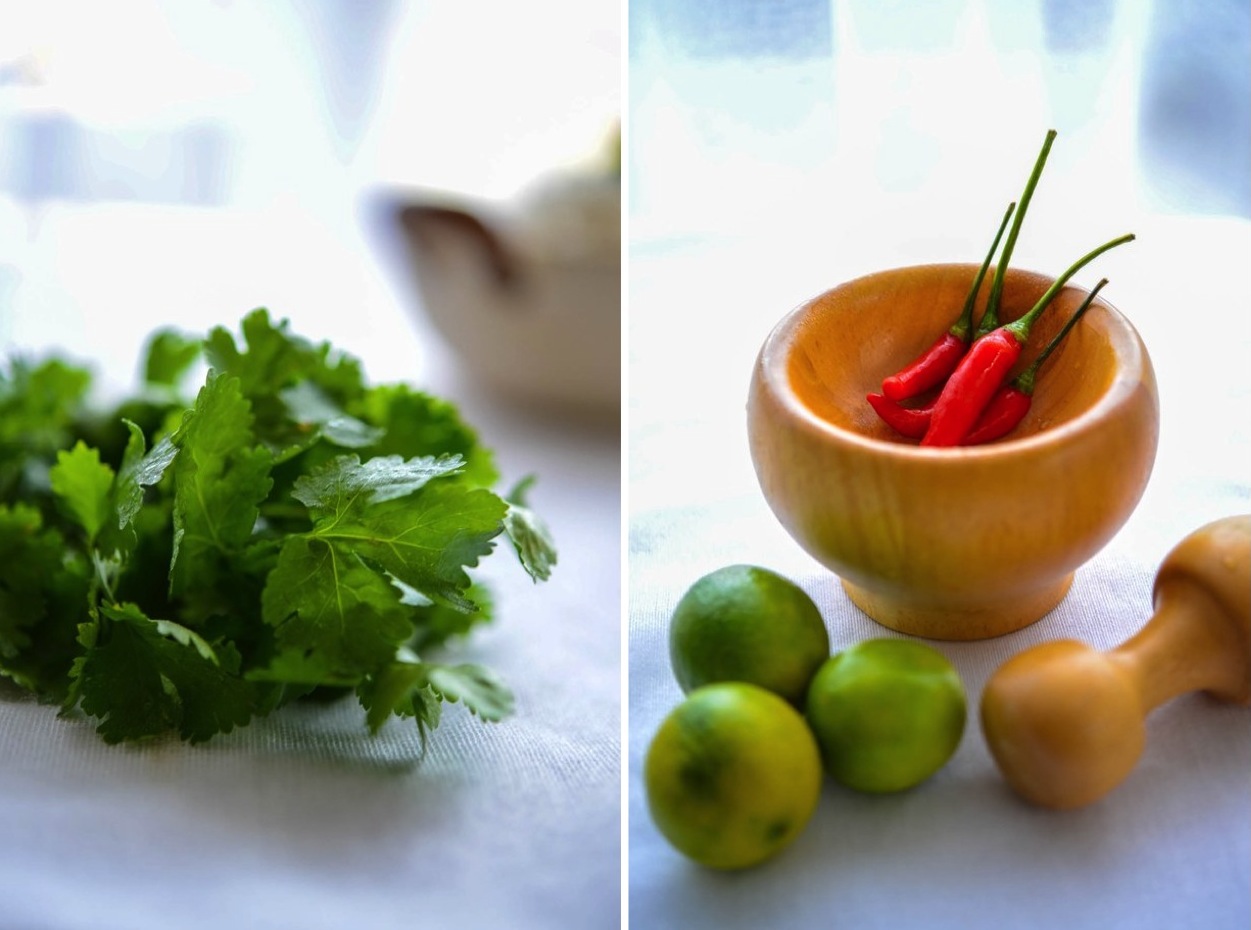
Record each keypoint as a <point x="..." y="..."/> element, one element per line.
<point x="970" y="387"/>
<point x="990" y="318"/>
<point x="911" y="422"/>
<point x="1005" y="410"/>
<point x="986" y="365"/>
<point x="932" y="366"/>
<point x="1012" y="401"/>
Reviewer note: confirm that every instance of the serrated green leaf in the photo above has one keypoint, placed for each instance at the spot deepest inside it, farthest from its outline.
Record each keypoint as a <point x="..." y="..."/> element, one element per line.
<point x="435" y="624"/>
<point x="309" y="406"/>
<point x="127" y="490"/>
<point x="475" y="686"/>
<point x="416" y="424"/>
<point x="389" y="691"/>
<point x="334" y="617"/>
<point x="169" y="357"/>
<point x="344" y="484"/>
<point x="274" y="360"/>
<point x="531" y="540"/>
<point x="28" y="555"/>
<point x="41" y="404"/>
<point x="277" y="570"/>
<point x="43" y="598"/>
<point x="83" y="484"/>
<point x="220" y="478"/>
<point x="140" y="469"/>
<point x="149" y="470"/>
<point x="144" y="677"/>
<point x="426" y="539"/>
<point x="400" y="689"/>
<point x="38" y="402"/>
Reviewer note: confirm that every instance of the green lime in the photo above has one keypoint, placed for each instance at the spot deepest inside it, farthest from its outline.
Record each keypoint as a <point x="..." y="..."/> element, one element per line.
<point x="733" y="775"/>
<point x="887" y="714"/>
<point x="743" y="623"/>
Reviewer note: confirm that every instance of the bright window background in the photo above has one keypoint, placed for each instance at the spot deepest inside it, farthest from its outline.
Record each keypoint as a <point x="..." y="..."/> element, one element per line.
<point x="183" y="162"/>
<point x="744" y="109"/>
<point x="234" y="102"/>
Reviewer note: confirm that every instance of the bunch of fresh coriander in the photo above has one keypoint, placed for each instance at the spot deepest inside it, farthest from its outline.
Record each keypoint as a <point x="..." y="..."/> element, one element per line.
<point x="181" y="564"/>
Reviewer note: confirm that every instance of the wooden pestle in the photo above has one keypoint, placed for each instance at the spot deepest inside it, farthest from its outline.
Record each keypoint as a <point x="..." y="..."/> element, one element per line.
<point x="1065" y="723"/>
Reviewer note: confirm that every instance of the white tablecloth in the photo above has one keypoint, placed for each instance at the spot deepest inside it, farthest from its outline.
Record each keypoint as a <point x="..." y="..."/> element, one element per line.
<point x="302" y="819"/>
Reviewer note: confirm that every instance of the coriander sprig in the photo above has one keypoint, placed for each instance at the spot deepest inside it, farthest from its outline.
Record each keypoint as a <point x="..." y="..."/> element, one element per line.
<point x="183" y="563"/>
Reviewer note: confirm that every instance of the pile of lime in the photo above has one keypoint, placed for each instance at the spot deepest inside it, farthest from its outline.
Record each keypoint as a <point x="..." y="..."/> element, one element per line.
<point x="734" y="773"/>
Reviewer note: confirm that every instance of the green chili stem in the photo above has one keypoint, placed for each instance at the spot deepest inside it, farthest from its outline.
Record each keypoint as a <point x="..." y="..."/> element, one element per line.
<point x="1025" y="380"/>
<point x="963" y="327"/>
<point x="1020" y="328"/>
<point x="990" y="319"/>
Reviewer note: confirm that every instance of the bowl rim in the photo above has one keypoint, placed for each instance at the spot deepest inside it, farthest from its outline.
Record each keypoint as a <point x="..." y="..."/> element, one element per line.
<point x="773" y="366"/>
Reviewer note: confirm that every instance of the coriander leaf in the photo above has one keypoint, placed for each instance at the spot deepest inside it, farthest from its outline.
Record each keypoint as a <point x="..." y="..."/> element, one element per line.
<point x="334" y="617"/>
<point x="38" y="407"/>
<point x="127" y="489"/>
<point x="281" y="567"/>
<point x="139" y="469"/>
<point x="410" y="687"/>
<point x="434" y="624"/>
<point x="530" y="536"/>
<point x="169" y="356"/>
<point x="220" y="476"/>
<point x="43" y="667"/>
<point x="52" y="388"/>
<point x="476" y="686"/>
<point x="308" y="405"/>
<point x="425" y="539"/>
<point x="83" y="484"/>
<point x="144" y="677"/>
<point x="273" y="360"/>
<point x="156" y="412"/>
<point x="400" y="688"/>
<point x="147" y="549"/>
<point x="417" y="424"/>
<point x="28" y="556"/>
<point x="286" y="358"/>
<point x="339" y="485"/>
<point x="43" y="598"/>
<point x="390" y="691"/>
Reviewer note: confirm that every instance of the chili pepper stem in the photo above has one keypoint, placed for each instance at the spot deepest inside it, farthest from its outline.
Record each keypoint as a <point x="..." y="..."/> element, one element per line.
<point x="985" y="367"/>
<point x="1020" y="328"/>
<point x="1024" y="382"/>
<point x="932" y="366"/>
<point x="962" y="329"/>
<point x="990" y="319"/>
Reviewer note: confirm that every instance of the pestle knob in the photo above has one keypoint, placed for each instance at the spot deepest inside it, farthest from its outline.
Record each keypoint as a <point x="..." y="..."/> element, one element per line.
<point x="1065" y="723"/>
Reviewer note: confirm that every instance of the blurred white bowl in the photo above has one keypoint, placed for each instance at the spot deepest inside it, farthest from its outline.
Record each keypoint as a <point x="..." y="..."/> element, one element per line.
<point x="527" y="291"/>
